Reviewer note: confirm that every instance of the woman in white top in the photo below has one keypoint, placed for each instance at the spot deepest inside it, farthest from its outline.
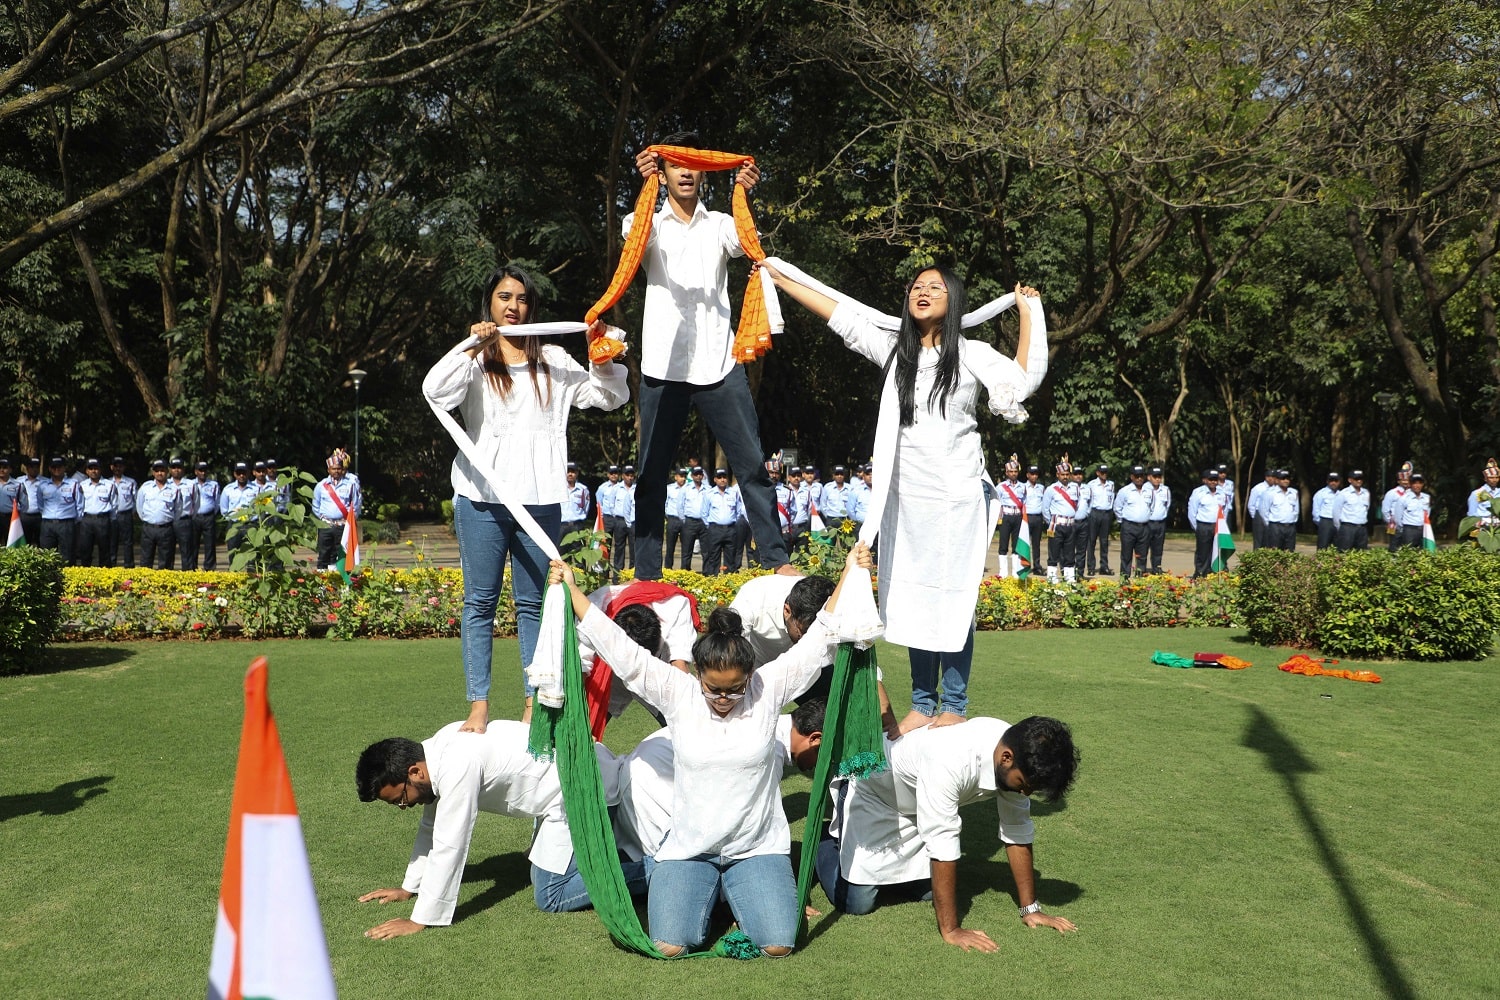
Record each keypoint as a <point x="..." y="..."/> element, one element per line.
<point x="514" y="394"/>
<point x="729" y="833"/>
<point x="941" y="505"/>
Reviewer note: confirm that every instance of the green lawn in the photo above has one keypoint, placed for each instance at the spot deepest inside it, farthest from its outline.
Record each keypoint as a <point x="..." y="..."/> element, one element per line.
<point x="1245" y="834"/>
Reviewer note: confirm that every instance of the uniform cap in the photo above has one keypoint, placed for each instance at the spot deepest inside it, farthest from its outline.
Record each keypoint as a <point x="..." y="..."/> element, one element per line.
<point x="1101" y="467"/>
<point x="258" y="467"/>
<point x="1356" y="473"/>
<point x="270" y="463"/>
<point x="869" y="467"/>
<point x="202" y="465"/>
<point x="1137" y="470"/>
<point x="697" y="470"/>
<point x="838" y="469"/>
<point x="796" y="470"/>
<point x="175" y="462"/>
<point x="1155" y="470"/>
<point x="1223" y="467"/>
<point x="720" y="472"/>
<point x="572" y="466"/>
<point x="34" y="461"/>
<point x="682" y="471"/>
<point x="1062" y="465"/>
<point x="1032" y="468"/>
<point x="1333" y="475"/>
<point x="613" y="469"/>
<point x="241" y="467"/>
<point x="158" y="464"/>
<point x="92" y="463"/>
<point x="56" y="460"/>
<point x="1493" y="469"/>
<point x="629" y="470"/>
<point x="1013" y="463"/>
<point x="117" y="460"/>
<point x="1417" y="477"/>
<point x="1210" y="473"/>
<point x="5" y="460"/>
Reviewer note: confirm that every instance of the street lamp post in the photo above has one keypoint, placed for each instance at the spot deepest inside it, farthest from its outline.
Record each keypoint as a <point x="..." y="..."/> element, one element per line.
<point x="356" y="376"/>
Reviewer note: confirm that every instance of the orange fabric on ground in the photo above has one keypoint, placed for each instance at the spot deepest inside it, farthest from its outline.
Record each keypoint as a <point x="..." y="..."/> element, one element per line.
<point x="753" y="336"/>
<point x="1309" y="667"/>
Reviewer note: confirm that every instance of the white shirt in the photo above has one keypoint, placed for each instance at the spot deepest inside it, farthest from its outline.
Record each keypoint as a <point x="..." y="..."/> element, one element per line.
<point x="893" y="824"/>
<point x="525" y="439"/>
<point x="727" y="783"/>
<point x="759" y="603"/>
<point x="677" y="638"/>
<point x="486" y="772"/>
<point x="685" y="332"/>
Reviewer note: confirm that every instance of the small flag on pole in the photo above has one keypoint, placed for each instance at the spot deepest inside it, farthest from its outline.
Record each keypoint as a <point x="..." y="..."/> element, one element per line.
<point x="1023" y="549"/>
<point x="817" y="519"/>
<point x="268" y="940"/>
<point x="603" y="546"/>
<point x="1429" y="540"/>
<point x="1225" y="545"/>
<point x="15" y="536"/>
<point x="350" y="542"/>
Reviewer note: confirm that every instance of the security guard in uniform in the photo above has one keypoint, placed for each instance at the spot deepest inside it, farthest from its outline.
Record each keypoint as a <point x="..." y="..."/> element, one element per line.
<point x="122" y="524"/>
<point x="1063" y="526"/>
<point x="1322" y="512"/>
<point x="59" y="504"/>
<point x="1133" y="509"/>
<point x="206" y="520"/>
<point x="99" y="496"/>
<point x="31" y="502"/>
<point x="1161" y="507"/>
<point x="158" y="504"/>
<point x="1100" y="494"/>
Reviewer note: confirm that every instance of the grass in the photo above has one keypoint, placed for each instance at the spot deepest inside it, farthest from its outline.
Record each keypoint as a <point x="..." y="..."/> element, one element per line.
<point x="1245" y="834"/>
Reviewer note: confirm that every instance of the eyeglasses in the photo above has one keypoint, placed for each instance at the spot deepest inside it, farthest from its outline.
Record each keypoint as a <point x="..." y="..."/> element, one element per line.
<point x="401" y="802"/>
<point x="934" y="290"/>
<point x="722" y="694"/>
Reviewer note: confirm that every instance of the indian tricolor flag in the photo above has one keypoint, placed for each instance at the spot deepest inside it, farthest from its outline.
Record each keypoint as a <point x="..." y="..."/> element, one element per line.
<point x="268" y="941"/>
<point x="15" y="536"/>
<point x="350" y="542"/>
<point x="1023" y="548"/>
<point x="817" y="519"/>
<point x="600" y="543"/>
<point x="1225" y="544"/>
<point x="1429" y="540"/>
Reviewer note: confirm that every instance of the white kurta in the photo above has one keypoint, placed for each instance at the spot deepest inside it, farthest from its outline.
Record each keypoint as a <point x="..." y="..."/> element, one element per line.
<point x="727" y="782"/>
<point x="892" y="825"/>
<point x="760" y="603"/>
<point x="941" y="505"/>
<point x="525" y="440"/>
<point x="486" y="772"/>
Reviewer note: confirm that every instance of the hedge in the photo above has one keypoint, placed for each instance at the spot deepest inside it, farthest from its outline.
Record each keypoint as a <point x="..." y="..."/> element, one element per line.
<point x="1411" y="605"/>
<point x="31" y="585"/>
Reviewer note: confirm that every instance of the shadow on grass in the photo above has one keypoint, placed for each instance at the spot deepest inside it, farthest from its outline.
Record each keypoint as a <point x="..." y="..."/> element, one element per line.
<point x="795" y="805"/>
<point x="59" y="659"/>
<point x="1287" y="761"/>
<point x="508" y="875"/>
<point x="60" y="800"/>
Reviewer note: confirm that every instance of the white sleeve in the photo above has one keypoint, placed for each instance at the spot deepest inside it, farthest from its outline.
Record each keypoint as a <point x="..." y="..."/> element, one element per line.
<point x="1004" y="381"/>
<point x="1015" y="818"/>
<point x="436" y="869"/>
<point x="860" y="334"/>
<point x="677" y="628"/>
<point x="447" y="382"/>
<point x="794" y="671"/>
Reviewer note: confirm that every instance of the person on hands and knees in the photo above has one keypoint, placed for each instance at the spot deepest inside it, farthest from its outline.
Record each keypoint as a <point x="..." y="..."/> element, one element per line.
<point x="899" y="829"/>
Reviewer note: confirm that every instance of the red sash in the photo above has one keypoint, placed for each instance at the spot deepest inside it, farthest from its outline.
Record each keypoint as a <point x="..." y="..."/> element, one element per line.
<point x="1013" y="498"/>
<point x="343" y="507"/>
<point x="597" y="684"/>
<point x="1064" y="494"/>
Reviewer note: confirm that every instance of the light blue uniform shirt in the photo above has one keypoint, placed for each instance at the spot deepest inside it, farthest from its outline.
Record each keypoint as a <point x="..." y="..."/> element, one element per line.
<point x="723" y="506"/>
<point x="208" y="496"/>
<point x="674" y="498"/>
<point x="125" y="488"/>
<point x="1004" y="490"/>
<point x="625" y="502"/>
<point x="1100" y="496"/>
<point x="1280" y="506"/>
<point x="157" y="504"/>
<point x="835" y="501"/>
<point x="859" y="501"/>
<point x="31" y="497"/>
<point x="234" y="496"/>
<point x="348" y="491"/>
<point x="1351" y="507"/>
<point x="98" y="498"/>
<point x="187" y="495"/>
<point x="694" y="502"/>
<point x="606" y="497"/>
<point x="1133" y="503"/>
<point x="1062" y="501"/>
<point x="1203" y="505"/>
<point x="59" y="501"/>
<point x="1322" y="503"/>
<point x="1035" y="497"/>
<point x="576" y="507"/>
<point x="1411" y="509"/>
<point x="10" y="496"/>
<point x="1161" y="502"/>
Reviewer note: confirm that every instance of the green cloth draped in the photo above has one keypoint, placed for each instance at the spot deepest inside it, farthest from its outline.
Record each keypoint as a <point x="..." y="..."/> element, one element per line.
<point x="853" y="745"/>
<point x="1171" y="660"/>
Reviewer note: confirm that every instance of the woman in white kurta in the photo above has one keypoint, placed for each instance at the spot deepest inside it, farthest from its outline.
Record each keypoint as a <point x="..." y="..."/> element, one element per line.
<point x="940" y="505"/>
<point x="729" y="832"/>
<point x="515" y="395"/>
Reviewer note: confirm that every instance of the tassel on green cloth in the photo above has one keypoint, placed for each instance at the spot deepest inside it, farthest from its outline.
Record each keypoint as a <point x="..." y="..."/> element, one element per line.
<point x="541" y="743"/>
<point x="853" y="744"/>
<point x="736" y="944"/>
<point x="1172" y="660"/>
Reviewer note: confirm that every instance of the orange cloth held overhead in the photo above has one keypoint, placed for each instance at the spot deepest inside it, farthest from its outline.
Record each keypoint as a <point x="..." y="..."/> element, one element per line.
<point x="1309" y="667"/>
<point x="753" y="336"/>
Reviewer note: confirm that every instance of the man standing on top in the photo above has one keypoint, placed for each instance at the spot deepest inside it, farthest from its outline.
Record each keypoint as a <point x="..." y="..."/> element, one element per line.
<point x="687" y="357"/>
<point x="1100" y="494"/>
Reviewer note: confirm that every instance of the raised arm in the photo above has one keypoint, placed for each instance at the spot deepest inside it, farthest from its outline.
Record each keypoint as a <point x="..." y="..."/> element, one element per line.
<point x="811" y="299"/>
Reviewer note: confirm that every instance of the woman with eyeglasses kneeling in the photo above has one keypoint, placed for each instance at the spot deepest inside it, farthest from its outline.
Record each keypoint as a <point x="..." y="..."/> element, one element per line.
<point x="729" y="832"/>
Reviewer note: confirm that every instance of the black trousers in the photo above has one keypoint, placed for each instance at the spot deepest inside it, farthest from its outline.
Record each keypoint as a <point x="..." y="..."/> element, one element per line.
<point x="94" y="537"/>
<point x="1326" y="533"/>
<point x="669" y="552"/>
<point x="619" y="542"/>
<point x="1062" y="547"/>
<point x="1206" y="538"/>
<point x="187" y="543"/>
<point x="1010" y="531"/>
<point x="57" y="533"/>
<point x="729" y="411"/>
<point x="1258" y="532"/>
<point x="122" y="539"/>
<point x="1156" y="542"/>
<point x="1134" y="546"/>
<point x="1281" y="536"/>
<point x="718" y="549"/>
<point x="1098" y="535"/>
<point x="1353" y="536"/>
<point x="330" y="545"/>
<point x="745" y="551"/>
<point x="1409" y="536"/>
<point x="693" y="532"/>
<point x="206" y="539"/>
<point x="31" y="527"/>
<point x="158" y="546"/>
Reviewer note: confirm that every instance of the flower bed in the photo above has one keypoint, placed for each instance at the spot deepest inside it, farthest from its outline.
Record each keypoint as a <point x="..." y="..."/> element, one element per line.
<point x="412" y="603"/>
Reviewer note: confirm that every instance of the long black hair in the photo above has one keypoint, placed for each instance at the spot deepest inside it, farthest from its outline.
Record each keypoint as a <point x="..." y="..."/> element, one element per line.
<point x="909" y="346"/>
<point x="494" y="365"/>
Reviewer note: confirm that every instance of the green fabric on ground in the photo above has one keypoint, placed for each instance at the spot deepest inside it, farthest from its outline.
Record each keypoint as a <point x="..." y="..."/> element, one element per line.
<point x="1171" y="660"/>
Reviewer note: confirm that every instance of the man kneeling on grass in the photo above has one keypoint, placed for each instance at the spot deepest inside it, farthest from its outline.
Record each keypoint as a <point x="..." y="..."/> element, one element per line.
<point x="454" y="776"/>
<point x="899" y="828"/>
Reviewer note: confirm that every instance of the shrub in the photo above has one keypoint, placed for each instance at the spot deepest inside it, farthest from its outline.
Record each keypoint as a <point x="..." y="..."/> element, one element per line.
<point x="31" y="586"/>
<point x="1279" y="598"/>
<point x="388" y="512"/>
<point x="380" y="532"/>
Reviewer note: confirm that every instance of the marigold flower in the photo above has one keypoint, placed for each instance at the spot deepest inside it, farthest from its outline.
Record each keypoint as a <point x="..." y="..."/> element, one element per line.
<point x="332" y="617"/>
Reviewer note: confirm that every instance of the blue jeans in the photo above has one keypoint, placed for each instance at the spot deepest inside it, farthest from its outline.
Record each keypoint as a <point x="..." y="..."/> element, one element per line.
<point x="850" y="897"/>
<point x="564" y="892"/>
<point x="729" y="411"/>
<point x="760" y="890"/>
<point x="486" y="534"/>
<point x="926" y="668"/>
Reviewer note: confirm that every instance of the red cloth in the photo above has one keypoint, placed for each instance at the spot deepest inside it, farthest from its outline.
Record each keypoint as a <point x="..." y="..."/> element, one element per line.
<point x="597" y="684"/>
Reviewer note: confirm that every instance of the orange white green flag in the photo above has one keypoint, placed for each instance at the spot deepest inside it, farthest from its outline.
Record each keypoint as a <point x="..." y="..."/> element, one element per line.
<point x="268" y="940"/>
<point x="1429" y="540"/>
<point x="1223" y="544"/>
<point x="350" y="542"/>
<point x="15" y="536"/>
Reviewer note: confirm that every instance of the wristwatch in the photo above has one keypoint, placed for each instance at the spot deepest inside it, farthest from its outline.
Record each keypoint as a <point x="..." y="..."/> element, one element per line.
<point x="1035" y="907"/>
